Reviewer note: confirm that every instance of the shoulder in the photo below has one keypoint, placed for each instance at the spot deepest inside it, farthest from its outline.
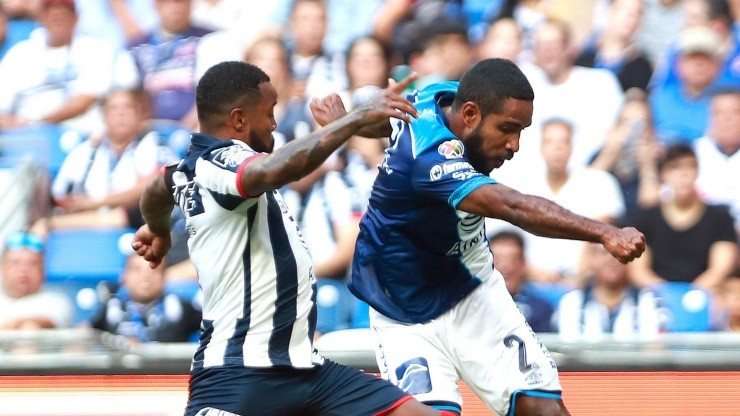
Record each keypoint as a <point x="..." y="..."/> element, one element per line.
<point x="228" y="154"/>
<point x="598" y="77"/>
<point x="719" y="211"/>
<point x="84" y="43"/>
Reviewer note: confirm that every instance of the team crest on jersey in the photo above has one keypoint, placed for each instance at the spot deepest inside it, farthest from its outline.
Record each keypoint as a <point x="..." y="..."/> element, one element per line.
<point x="231" y="156"/>
<point x="451" y="149"/>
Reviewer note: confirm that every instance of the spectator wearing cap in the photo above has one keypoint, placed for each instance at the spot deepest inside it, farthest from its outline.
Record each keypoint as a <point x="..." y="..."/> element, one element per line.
<point x="681" y="109"/>
<point x="55" y="76"/>
<point x="716" y="16"/>
<point x="24" y="304"/>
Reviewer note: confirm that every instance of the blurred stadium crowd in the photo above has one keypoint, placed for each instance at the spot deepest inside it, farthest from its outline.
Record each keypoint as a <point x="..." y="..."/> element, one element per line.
<point x="636" y="121"/>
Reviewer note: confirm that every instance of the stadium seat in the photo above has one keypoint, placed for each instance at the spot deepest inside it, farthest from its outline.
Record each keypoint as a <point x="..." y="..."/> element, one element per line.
<point x="87" y="254"/>
<point x="551" y="292"/>
<point x="360" y="315"/>
<point x="686" y="306"/>
<point x="45" y="144"/>
<point x="173" y="135"/>
<point x="334" y="304"/>
<point x="82" y="293"/>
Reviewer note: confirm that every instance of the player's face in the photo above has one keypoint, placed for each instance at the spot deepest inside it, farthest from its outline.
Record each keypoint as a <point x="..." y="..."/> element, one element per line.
<point x="262" y="120"/>
<point x="496" y="138"/>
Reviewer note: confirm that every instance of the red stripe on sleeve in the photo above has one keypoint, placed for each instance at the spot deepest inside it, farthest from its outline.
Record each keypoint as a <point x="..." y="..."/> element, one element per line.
<point x="239" y="172"/>
<point x="395" y="405"/>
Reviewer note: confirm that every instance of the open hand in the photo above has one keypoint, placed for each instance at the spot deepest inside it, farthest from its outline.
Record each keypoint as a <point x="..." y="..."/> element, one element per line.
<point x="389" y="103"/>
<point x="625" y="244"/>
<point x="327" y="109"/>
<point x="153" y="247"/>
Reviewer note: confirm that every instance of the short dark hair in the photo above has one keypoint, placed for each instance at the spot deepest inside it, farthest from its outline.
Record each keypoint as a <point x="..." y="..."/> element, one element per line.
<point x="512" y="236"/>
<point x="225" y="86"/>
<point x="675" y="152"/>
<point x="490" y="82"/>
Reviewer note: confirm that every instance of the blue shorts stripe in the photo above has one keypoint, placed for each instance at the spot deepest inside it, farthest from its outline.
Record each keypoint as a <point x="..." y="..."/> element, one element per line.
<point x="532" y="393"/>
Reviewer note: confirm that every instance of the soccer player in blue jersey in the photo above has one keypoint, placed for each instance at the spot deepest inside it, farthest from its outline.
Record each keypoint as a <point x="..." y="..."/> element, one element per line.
<point x="256" y="355"/>
<point x="441" y="311"/>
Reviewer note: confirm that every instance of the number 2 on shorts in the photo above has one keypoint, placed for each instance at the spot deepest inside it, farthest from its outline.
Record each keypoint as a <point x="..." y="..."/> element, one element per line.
<point x="509" y="342"/>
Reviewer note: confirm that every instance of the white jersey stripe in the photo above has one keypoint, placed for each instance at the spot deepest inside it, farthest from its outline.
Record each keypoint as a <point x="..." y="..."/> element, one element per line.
<point x="253" y="266"/>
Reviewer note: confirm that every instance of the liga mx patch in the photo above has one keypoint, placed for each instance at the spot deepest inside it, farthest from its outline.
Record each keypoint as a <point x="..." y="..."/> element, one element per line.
<point x="451" y="149"/>
<point x="413" y="376"/>
<point x="231" y="157"/>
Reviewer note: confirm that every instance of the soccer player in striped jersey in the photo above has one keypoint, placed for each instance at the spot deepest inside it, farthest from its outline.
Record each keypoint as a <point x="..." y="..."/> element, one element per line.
<point x="256" y="355"/>
<point x="422" y="262"/>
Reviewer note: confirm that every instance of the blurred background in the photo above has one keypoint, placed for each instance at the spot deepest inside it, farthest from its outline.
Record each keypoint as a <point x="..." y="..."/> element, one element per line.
<point x="636" y="122"/>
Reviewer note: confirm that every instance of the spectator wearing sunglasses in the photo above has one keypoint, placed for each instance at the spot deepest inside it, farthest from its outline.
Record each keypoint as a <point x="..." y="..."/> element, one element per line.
<point x="24" y="304"/>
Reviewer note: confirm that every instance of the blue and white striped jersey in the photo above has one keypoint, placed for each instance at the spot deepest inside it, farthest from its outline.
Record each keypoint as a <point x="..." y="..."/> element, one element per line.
<point x="253" y="266"/>
<point x="417" y="255"/>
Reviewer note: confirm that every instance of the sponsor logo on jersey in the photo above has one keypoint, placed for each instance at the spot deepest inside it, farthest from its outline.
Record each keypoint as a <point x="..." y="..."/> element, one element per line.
<point x="451" y="149"/>
<point x="462" y="246"/>
<point x="413" y="376"/>
<point x="456" y="168"/>
<point x="231" y="156"/>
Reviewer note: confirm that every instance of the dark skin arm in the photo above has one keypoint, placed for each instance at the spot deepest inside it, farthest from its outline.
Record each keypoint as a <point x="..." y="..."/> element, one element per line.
<point x="300" y="157"/>
<point x="152" y="240"/>
<point x="545" y="218"/>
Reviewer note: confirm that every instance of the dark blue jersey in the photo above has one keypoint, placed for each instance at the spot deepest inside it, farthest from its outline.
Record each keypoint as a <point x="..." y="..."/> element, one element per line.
<point x="417" y="255"/>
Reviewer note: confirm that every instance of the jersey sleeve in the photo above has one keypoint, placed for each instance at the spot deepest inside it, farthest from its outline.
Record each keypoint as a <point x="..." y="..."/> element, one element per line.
<point x="445" y="173"/>
<point x="222" y="168"/>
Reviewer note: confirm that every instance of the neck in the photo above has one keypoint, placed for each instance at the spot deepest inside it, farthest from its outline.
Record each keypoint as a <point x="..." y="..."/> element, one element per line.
<point x="457" y="127"/>
<point x="612" y="43"/>
<point x="559" y="77"/>
<point x="118" y="146"/>
<point x="557" y="179"/>
<point x="686" y="203"/>
<point x="693" y="91"/>
<point x="729" y="148"/>
<point x="57" y="42"/>
<point x="610" y="295"/>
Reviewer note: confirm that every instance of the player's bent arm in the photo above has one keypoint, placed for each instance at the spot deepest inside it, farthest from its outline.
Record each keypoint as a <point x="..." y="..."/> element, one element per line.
<point x="545" y="218"/>
<point x="537" y="215"/>
<point x="156" y="206"/>
<point x="298" y="158"/>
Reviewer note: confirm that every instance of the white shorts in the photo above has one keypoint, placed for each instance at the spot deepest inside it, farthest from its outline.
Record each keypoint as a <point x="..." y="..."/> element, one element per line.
<point x="484" y="340"/>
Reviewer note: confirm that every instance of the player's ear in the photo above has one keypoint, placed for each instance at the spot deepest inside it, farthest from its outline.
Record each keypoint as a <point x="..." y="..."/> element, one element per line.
<point x="471" y="114"/>
<point x="238" y="119"/>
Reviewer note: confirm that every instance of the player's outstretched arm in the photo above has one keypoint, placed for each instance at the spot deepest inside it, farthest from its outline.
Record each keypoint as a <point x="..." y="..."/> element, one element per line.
<point x="300" y="157"/>
<point x="152" y="240"/>
<point x="545" y="218"/>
